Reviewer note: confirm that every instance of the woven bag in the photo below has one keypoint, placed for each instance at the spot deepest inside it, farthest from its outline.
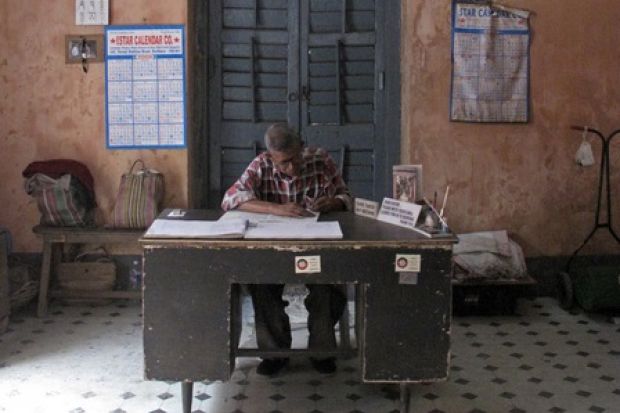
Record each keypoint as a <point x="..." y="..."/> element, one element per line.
<point x="139" y="197"/>
<point x="61" y="202"/>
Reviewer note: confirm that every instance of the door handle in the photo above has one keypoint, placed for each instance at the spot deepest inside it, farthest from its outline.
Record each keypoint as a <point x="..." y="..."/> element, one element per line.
<point x="305" y="93"/>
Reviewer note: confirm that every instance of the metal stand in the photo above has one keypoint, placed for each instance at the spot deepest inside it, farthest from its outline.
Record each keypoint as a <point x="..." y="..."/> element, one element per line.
<point x="564" y="279"/>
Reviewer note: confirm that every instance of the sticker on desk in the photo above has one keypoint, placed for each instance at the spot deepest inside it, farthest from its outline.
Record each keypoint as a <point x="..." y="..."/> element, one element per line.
<point x="407" y="263"/>
<point x="410" y="278"/>
<point x="307" y="264"/>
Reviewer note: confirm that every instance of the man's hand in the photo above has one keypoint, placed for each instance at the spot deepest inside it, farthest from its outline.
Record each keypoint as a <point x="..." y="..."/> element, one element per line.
<point x="326" y="204"/>
<point x="290" y="210"/>
<point x="285" y="210"/>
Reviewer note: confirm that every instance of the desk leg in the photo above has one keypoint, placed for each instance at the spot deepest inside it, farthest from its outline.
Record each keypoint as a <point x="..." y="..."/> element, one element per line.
<point x="46" y="267"/>
<point x="405" y="393"/>
<point x="344" y="324"/>
<point x="187" y="389"/>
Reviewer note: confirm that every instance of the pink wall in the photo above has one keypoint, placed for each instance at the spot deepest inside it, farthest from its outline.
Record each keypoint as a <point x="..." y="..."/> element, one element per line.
<point x="516" y="177"/>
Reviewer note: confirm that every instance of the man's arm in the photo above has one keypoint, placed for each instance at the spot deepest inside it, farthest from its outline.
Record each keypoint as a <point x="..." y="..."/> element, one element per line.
<point x="245" y="189"/>
<point x="327" y="203"/>
<point x="337" y="196"/>
<point x="243" y="195"/>
<point x="288" y="210"/>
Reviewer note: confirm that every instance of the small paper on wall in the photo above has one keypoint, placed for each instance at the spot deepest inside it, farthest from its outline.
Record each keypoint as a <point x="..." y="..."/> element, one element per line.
<point x="92" y="12"/>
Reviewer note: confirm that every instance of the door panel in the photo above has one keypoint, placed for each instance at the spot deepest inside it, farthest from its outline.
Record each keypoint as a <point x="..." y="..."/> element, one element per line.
<point x="315" y="64"/>
<point x="253" y="70"/>
<point x="338" y="66"/>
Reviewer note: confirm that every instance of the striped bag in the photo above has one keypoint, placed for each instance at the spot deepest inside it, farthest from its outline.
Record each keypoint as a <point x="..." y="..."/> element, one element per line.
<point x="61" y="202"/>
<point x="139" y="197"/>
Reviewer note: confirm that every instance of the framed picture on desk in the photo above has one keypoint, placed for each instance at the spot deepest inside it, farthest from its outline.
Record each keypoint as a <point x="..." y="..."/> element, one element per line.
<point x="407" y="182"/>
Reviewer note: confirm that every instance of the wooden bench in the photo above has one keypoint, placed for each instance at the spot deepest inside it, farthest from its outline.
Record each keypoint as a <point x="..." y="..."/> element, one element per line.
<point x="488" y="296"/>
<point x="54" y="238"/>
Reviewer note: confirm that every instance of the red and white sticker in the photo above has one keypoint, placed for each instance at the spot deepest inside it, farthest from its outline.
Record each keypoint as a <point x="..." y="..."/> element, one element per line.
<point x="407" y="263"/>
<point x="307" y="264"/>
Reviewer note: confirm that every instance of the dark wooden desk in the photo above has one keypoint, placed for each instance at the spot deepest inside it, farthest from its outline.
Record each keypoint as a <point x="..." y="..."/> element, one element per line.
<point x="188" y="285"/>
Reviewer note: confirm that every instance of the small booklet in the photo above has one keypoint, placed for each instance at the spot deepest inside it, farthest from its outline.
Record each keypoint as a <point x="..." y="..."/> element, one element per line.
<point x="175" y="228"/>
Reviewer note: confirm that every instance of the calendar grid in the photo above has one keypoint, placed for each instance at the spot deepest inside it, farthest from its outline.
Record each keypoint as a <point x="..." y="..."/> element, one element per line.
<point x="490" y="64"/>
<point x="145" y="93"/>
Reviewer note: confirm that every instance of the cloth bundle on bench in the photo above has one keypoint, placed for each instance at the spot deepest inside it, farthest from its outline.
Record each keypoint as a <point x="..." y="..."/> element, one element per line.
<point x="63" y="189"/>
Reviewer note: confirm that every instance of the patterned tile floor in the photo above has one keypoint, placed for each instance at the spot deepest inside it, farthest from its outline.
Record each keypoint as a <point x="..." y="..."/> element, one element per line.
<point x="89" y="359"/>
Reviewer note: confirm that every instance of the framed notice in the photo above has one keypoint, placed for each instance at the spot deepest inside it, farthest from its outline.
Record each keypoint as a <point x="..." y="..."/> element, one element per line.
<point x="407" y="182"/>
<point x="490" y="63"/>
<point x="145" y="87"/>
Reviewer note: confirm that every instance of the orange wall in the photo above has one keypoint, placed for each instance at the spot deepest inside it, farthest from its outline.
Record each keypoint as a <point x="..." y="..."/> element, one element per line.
<point x="516" y="177"/>
<point x="519" y="177"/>
<point x="49" y="109"/>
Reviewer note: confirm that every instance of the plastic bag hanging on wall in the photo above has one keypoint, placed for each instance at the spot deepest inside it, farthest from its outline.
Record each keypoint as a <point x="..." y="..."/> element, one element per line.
<point x="584" y="155"/>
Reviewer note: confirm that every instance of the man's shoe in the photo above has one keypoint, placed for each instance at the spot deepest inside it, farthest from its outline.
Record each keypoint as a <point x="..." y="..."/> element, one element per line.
<point x="324" y="366"/>
<point x="269" y="367"/>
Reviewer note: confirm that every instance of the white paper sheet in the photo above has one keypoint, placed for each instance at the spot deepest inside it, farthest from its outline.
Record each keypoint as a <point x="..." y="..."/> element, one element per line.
<point x="295" y="230"/>
<point x="173" y="228"/>
<point x="92" y="12"/>
<point x="255" y="218"/>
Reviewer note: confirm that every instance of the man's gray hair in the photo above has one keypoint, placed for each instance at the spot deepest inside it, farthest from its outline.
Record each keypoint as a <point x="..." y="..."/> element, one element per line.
<point x="282" y="138"/>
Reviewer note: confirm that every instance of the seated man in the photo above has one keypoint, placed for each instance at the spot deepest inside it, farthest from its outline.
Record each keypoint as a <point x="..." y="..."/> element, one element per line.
<point x="287" y="180"/>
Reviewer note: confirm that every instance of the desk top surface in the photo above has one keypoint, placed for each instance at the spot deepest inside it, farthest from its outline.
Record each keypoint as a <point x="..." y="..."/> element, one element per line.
<point x="356" y="230"/>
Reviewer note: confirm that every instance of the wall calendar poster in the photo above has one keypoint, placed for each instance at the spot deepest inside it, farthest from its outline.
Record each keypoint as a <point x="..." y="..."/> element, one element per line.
<point x="145" y="87"/>
<point x="490" y="63"/>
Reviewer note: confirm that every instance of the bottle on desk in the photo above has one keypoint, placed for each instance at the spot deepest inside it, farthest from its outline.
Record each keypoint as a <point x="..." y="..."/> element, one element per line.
<point x="135" y="276"/>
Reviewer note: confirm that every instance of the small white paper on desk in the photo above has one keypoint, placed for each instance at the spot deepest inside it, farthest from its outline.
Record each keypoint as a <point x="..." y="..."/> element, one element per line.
<point x="177" y="213"/>
<point x="295" y="230"/>
<point x="403" y="214"/>
<point x="257" y="218"/>
<point x="174" y="228"/>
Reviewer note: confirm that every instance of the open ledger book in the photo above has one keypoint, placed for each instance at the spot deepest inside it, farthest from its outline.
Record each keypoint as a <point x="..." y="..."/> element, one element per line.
<point x="179" y="228"/>
<point x="246" y="225"/>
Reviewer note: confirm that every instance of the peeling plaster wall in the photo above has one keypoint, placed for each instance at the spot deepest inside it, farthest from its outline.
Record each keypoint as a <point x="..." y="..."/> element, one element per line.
<point x="519" y="177"/>
<point x="516" y="177"/>
<point x="49" y="109"/>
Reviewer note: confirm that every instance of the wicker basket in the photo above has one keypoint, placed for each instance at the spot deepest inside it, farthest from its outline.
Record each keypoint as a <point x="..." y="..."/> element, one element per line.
<point x="86" y="276"/>
<point x="24" y="294"/>
<point x="22" y="286"/>
<point x="78" y="276"/>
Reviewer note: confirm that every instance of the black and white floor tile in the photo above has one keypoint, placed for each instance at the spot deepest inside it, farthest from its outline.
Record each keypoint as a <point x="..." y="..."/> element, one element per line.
<point x="89" y="359"/>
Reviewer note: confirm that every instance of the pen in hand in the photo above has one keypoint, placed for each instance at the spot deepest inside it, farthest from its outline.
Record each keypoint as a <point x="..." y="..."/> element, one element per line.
<point x="310" y="202"/>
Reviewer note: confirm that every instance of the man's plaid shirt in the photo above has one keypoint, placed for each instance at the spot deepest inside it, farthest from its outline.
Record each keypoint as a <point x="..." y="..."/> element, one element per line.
<point x="261" y="180"/>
